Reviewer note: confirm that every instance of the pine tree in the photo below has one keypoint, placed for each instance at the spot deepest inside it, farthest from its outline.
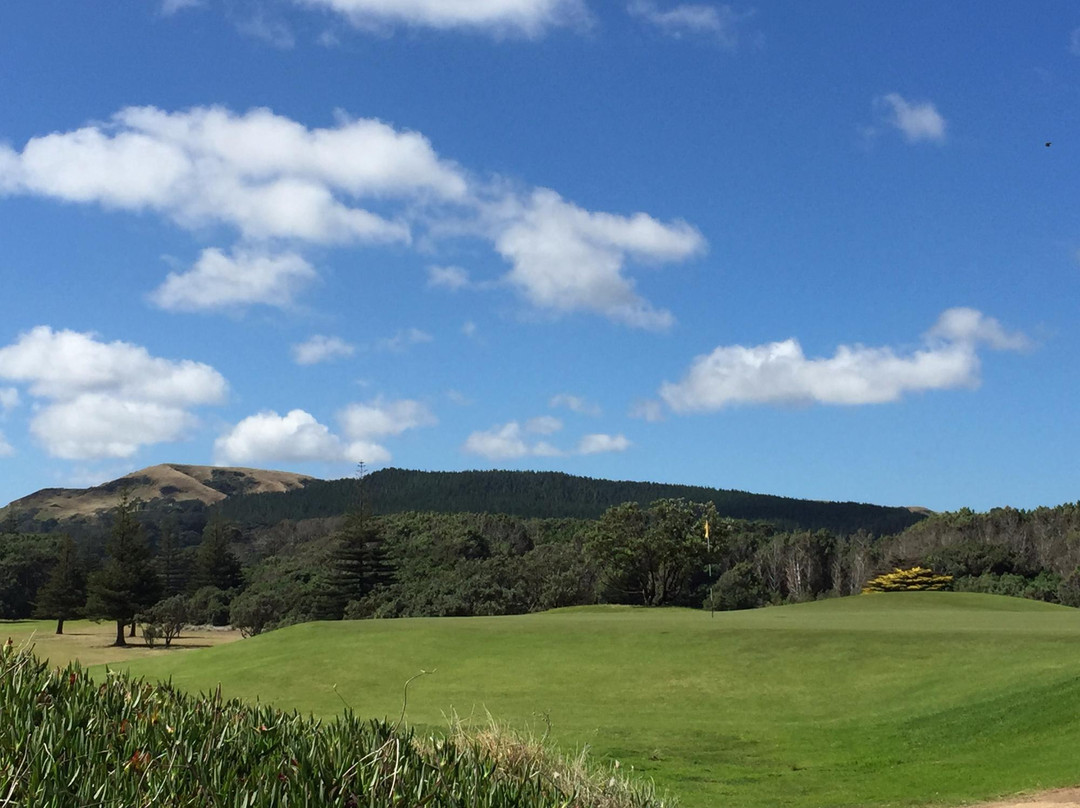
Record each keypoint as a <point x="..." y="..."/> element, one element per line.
<point x="64" y="593"/>
<point x="127" y="583"/>
<point x="355" y="568"/>
<point x="215" y="564"/>
<point x="171" y="564"/>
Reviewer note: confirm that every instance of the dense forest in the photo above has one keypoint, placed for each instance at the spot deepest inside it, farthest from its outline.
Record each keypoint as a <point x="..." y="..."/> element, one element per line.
<point x="164" y="570"/>
<point x="534" y="494"/>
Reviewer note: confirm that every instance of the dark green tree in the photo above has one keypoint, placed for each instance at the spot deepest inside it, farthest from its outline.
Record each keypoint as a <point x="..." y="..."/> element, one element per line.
<point x="172" y="563"/>
<point x="355" y="567"/>
<point x="215" y="564"/>
<point x="653" y="556"/>
<point x="62" y="596"/>
<point x="127" y="583"/>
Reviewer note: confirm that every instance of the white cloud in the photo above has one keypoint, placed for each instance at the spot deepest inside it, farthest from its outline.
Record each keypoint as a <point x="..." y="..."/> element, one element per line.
<point x="380" y="418"/>
<point x="105" y="399"/>
<point x="452" y="278"/>
<point x="569" y="259"/>
<point x="264" y="174"/>
<point x="691" y="18"/>
<point x="319" y="348"/>
<point x="506" y="442"/>
<point x="778" y="372"/>
<point x="97" y="425"/>
<point x="298" y="437"/>
<point x="917" y="120"/>
<point x="293" y="438"/>
<point x="522" y="17"/>
<point x="247" y="277"/>
<point x="468" y="328"/>
<point x="600" y="443"/>
<point x="9" y="399"/>
<point x="404" y="339"/>
<point x="6" y="449"/>
<point x="543" y="425"/>
<point x="575" y="404"/>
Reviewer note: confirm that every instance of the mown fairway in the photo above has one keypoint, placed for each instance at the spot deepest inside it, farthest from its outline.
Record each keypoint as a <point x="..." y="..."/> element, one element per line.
<point x="904" y="698"/>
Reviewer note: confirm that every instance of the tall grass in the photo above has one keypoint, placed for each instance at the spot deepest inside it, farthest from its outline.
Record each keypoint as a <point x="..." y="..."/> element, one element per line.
<point x="68" y="740"/>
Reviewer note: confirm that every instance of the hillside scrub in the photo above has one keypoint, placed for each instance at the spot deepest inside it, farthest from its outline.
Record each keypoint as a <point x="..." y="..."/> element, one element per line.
<point x="118" y="742"/>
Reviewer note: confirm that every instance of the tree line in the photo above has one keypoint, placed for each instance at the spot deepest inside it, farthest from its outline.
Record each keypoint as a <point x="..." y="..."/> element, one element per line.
<point x="673" y="552"/>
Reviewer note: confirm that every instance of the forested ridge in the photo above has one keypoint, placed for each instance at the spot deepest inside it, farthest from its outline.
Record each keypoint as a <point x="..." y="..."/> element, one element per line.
<point x="536" y="494"/>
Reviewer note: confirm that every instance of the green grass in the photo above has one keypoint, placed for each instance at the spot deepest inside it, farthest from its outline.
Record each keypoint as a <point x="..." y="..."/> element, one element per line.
<point x="885" y="699"/>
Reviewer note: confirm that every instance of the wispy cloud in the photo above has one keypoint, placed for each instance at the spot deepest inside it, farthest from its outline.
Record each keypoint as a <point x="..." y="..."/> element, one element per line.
<point x="529" y="18"/>
<point x="917" y="120"/>
<point x="575" y="404"/>
<point x="403" y="340"/>
<point x="320" y="348"/>
<point x="719" y="22"/>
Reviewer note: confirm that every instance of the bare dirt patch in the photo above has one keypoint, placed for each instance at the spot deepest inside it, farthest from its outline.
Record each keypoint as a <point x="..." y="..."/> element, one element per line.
<point x="91" y="643"/>
<point x="1056" y="798"/>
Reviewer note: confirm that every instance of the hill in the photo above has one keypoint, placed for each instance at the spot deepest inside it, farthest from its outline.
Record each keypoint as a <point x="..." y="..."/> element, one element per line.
<point x="169" y="481"/>
<point x="534" y="494"/>
<point x="887" y="699"/>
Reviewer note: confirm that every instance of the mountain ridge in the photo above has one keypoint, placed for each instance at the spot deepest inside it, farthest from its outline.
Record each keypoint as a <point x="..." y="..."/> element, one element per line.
<point x="178" y="482"/>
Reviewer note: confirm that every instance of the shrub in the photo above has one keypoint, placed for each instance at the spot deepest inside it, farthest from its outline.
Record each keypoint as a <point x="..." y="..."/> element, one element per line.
<point x="255" y="612"/>
<point x="165" y="619"/>
<point x="912" y="579"/>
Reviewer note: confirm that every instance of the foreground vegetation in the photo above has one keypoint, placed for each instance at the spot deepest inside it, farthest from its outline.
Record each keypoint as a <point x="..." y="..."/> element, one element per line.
<point x="882" y="699"/>
<point x="67" y="740"/>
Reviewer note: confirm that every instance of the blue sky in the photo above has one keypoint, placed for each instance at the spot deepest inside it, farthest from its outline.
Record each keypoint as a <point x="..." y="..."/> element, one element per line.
<point x="818" y="250"/>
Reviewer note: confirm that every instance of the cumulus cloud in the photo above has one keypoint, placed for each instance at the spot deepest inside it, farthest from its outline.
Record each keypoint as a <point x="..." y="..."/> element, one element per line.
<point x="6" y="449"/>
<point x="569" y="259"/>
<point x="246" y="277"/>
<point x="295" y="437"/>
<point x="365" y="424"/>
<point x="600" y="443"/>
<point x="319" y="348"/>
<point x="298" y="437"/>
<point x="918" y="120"/>
<point x="381" y="418"/>
<point x="105" y="399"/>
<point x="452" y="278"/>
<point x="506" y="442"/>
<point x="779" y="372"/>
<point x="9" y="399"/>
<point x="715" y="21"/>
<point x="574" y="404"/>
<point x="261" y="173"/>
<point x="522" y="17"/>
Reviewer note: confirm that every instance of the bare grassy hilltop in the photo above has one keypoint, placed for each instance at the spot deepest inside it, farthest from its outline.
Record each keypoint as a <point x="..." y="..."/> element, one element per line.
<point x="171" y="481"/>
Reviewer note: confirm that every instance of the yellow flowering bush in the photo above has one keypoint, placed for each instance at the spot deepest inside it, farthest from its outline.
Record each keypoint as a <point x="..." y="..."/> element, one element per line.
<point x="909" y="580"/>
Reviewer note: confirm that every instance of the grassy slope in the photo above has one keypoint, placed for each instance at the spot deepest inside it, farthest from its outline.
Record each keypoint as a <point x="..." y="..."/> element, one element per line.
<point x="882" y="699"/>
